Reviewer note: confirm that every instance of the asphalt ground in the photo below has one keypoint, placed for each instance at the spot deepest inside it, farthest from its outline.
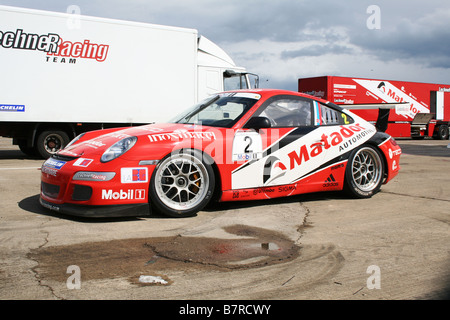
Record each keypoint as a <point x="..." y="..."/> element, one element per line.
<point x="394" y="246"/>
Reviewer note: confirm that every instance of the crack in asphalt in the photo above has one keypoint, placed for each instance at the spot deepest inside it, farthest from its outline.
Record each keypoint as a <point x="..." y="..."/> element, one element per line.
<point x="413" y="196"/>
<point x="305" y="223"/>
<point x="34" y="269"/>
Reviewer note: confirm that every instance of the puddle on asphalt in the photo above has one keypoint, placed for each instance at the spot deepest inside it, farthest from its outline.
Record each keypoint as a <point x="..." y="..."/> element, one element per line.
<point x="131" y="258"/>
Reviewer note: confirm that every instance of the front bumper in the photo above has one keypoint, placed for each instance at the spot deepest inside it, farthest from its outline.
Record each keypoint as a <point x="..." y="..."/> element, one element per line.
<point x="392" y="153"/>
<point x="124" y="210"/>
<point x="100" y="190"/>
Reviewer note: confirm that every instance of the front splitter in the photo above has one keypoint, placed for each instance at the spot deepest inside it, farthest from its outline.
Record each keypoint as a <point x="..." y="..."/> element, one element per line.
<point x="124" y="210"/>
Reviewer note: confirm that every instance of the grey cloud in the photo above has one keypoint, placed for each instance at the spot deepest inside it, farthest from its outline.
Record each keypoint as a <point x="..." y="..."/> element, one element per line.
<point x="424" y="38"/>
<point x="236" y="20"/>
<point x="317" y="50"/>
<point x="412" y="31"/>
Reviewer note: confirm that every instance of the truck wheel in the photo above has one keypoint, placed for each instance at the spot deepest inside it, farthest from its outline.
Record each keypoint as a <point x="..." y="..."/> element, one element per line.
<point x="50" y="142"/>
<point x="181" y="184"/>
<point x="364" y="172"/>
<point x="442" y="132"/>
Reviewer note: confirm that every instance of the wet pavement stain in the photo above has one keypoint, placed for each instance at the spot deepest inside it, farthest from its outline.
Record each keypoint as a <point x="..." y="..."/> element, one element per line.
<point x="131" y="258"/>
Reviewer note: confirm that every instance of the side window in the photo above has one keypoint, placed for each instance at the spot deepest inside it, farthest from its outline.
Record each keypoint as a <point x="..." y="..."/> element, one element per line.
<point x="288" y="112"/>
<point x="326" y="116"/>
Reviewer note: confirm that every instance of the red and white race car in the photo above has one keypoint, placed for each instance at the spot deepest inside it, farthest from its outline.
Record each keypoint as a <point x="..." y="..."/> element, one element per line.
<point x="240" y="145"/>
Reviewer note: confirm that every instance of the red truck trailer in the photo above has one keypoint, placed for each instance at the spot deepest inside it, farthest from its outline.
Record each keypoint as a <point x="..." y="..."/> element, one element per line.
<point x="417" y="110"/>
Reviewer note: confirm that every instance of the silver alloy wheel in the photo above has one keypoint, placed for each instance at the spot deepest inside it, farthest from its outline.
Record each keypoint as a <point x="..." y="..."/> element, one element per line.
<point x="366" y="169"/>
<point x="181" y="181"/>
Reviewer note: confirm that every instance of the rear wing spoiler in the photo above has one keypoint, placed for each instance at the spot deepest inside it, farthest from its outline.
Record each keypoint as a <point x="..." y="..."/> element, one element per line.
<point x="384" y="110"/>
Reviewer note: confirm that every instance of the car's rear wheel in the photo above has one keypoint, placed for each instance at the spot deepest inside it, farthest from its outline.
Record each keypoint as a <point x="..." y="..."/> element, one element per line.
<point x="364" y="173"/>
<point x="182" y="184"/>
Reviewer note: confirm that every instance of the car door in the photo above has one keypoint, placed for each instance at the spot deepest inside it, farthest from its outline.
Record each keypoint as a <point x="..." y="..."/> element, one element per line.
<point x="293" y="145"/>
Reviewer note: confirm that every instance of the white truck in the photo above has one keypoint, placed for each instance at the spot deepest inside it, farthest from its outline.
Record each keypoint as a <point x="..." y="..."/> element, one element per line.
<point x="63" y="74"/>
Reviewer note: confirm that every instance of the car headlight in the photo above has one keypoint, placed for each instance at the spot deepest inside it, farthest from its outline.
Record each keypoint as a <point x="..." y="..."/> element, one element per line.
<point x="118" y="149"/>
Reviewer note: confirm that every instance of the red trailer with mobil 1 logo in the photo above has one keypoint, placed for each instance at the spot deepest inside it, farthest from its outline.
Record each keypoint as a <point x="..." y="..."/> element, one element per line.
<point x="413" y="109"/>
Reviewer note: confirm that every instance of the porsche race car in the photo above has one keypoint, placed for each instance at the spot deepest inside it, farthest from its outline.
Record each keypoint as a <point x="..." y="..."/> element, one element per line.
<point x="233" y="146"/>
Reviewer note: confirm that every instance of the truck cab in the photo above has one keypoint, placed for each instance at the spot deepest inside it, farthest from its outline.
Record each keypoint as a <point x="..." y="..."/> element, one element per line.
<point x="217" y="72"/>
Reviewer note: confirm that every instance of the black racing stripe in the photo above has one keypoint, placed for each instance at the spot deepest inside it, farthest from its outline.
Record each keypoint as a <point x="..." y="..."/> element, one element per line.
<point x="379" y="137"/>
<point x="289" y="138"/>
<point x="340" y="158"/>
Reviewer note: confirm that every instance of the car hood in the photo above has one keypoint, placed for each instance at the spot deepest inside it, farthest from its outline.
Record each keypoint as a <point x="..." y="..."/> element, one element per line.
<point x="153" y="135"/>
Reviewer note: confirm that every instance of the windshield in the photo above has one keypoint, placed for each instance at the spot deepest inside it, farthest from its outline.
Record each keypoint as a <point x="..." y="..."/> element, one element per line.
<point x="222" y="110"/>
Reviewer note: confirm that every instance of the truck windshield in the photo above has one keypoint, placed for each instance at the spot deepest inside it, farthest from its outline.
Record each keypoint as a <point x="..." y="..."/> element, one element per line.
<point x="222" y="110"/>
<point x="235" y="82"/>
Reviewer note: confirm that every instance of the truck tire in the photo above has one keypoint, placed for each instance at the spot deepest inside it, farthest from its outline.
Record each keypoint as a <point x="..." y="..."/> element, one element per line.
<point x="364" y="173"/>
<point x="442" y="132"/>
<point x="182" y="184"/>
<point x="50" y="142"/>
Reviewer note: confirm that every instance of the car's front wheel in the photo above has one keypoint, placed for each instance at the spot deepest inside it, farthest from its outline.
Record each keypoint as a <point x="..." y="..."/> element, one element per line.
<point x="181" y="184"/>
<point x="364" y="173"/>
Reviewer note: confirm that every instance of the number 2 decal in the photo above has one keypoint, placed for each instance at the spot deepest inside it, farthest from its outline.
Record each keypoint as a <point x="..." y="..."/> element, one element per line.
<point x="247" y="145"/>
<point x="250" y="141"/>
<point x="343" y="115"/>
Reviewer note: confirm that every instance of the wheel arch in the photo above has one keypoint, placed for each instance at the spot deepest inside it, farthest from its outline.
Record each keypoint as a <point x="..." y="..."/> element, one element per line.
<point x="352" y="187"/>
<point x="217" y="176"/>
<point x="383" y="157"/>
<point x="209" y="160"/>
<point x="208" y="165"/>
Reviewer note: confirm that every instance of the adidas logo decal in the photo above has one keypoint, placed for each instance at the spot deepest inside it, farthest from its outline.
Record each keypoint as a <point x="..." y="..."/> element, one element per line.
<point x="330" y="182"/>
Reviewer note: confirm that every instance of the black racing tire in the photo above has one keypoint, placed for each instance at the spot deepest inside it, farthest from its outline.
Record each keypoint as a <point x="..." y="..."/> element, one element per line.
<point x="364" y="173"/>
<point x="182" y="184"/>
<point x="50" y="142"/>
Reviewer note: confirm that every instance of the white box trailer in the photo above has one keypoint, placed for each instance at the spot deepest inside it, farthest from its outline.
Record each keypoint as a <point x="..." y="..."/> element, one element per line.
<point x="63" y="74"/>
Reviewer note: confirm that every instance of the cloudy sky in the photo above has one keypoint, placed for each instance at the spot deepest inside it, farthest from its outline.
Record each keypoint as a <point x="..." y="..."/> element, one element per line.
<point x="283" y="40"/>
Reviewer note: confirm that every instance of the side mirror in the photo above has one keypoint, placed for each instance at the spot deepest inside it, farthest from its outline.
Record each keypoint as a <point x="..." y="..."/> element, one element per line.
<point x="258" y="123"/>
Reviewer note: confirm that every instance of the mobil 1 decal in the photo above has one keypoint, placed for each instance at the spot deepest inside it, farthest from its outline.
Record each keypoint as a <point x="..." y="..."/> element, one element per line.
<point x="298" y="154"/>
